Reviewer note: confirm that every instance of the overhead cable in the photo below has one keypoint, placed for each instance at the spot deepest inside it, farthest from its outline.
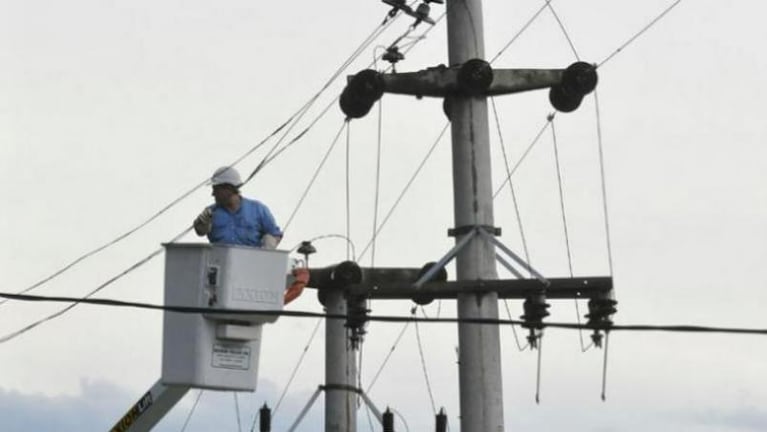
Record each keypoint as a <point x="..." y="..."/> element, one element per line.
<point x="549" y="118"/>
<point x="682" y="328"/>
<point x="519" y="33"/>
<point x="405" y="189"/>
<point x="75" y="302"/>
<point x="639" y="33"/>
<point x="564" y="30"/>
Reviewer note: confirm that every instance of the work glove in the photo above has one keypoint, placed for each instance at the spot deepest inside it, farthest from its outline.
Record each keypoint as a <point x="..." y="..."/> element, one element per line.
<point x="204" y="222"/>
<point x="269" y="241"/>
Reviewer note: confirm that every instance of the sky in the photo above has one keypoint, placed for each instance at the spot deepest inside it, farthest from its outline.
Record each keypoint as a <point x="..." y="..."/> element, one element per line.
<point x="112" y="110"/>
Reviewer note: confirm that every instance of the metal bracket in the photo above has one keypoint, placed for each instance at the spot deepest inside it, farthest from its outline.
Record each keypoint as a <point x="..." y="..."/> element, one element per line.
<point x="342" y="387"/>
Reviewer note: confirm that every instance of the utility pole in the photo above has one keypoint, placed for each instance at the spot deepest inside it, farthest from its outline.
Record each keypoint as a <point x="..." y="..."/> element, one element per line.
<point x="481" y="386"/>
<point x="340" y="369"/>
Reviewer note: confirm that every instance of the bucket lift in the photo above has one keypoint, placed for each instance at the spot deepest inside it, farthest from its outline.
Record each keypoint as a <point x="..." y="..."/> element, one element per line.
<point x="214" y="350"/>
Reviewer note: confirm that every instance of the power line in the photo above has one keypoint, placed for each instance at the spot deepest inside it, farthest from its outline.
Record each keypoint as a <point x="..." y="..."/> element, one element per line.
<point x="405" y="189"/>
<point x="316" y="173"/>
<point x="564" y="30"/>
<point x="639" y="33"/>
<point x="66" y="309"/>
<point x="519" y="33"/>
<point x="549" y="118"/>
<point x="191" y="411"/>
<point x="680" y="328"/>
<point x="423" y="366"/>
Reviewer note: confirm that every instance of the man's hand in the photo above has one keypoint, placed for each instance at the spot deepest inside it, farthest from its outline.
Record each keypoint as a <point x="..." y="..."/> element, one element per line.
<point x="204" y="222"/>
<point x="269" y="241"/>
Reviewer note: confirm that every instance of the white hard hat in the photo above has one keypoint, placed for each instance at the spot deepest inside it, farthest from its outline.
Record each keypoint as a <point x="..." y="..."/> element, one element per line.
<point x="226" y="175"/>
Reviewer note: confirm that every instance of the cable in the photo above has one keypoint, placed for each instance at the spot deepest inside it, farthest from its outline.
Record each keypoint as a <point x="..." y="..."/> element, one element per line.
<point x="644" y="29"/>
<point x="604" y="368"/>
<point x="108" y="244"/>
<point x="405" y="189"/>
<point x="604" y="184"/>
<point x="237" y="411"/>
<point x="519" y="33"/>
<point x="57" y="314"/>
<point x="513" y="328"/>
<point x="295" y="369"/>
<point x="549" y="118"/>
<point x="423" y="366"/>
<point x="191" y="411"/>
<point x="348" y="192"/>
<point x="511" y="185"/>
<point x="564" y="30"/>
<point x="584" y="348"/>
<point x="326" y="236"/>
<point x="268" y="158"/>
<point x="388" y="355"/>
<point x="304" y="109"/>
<point x="316" y="173"/>
<point x="684" y="328"/>
<point x="377" y="184"/>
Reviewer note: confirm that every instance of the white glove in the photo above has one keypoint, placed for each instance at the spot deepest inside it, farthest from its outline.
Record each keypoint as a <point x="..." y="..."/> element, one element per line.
<point x="204" y="222"/>
<point x="269" y="241"/>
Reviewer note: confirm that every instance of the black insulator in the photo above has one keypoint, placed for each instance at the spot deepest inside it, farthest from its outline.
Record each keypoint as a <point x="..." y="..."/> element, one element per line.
<point x="435" y="1"/>
<point x="363" y="90"/>
<point x="388" y="421"/>
<point x="441" y="421"/>
<point x="422" y="11"/>
<point x="393" y="55"/>
<point x="475" y="76"/>
<point x="563" y="101"/>
<point x="535" y="312"/>
<point x="306" y="248"/>
<point x="600" y="310"/>
<point x="265" y="419"/>
<point x="579" y="78"/>
<point x="440" y="276"/>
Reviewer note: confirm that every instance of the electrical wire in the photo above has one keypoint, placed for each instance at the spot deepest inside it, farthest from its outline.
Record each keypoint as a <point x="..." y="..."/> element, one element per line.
<point x="605" y="213"/>
<point x="268" y="158"/>
<point x="316" y="173"/>
<point x="511" y="186"/>
<point x="639" y="33"/>
<point x="66" y="309"/>
<point x="349" y="60"/>
<point x="295" y="370"/>
<point x="564" y="30"/>
<point x="237" y="412"/>
<point x="513" y="329"/>
<point x="405" y="189"/>
<point x="565" y="226"/>
<point x="377" y="193"/>
<point x="388" y="356"/>
<point x="519" y="33"/>
<point x="191" y="411"/>
<point x="423" y="365"/>
<point x="348" y="186"/>
<point x="549" y="118"/>
<point x="681" y="328"/>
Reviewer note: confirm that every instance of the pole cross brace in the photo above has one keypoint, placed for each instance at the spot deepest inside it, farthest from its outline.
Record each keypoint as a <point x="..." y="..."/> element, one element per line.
<point x="470" y="232"/>
<point x="341" y="387"/>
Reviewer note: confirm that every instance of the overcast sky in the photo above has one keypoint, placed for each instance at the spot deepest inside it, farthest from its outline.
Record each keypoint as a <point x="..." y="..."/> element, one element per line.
<point x="111" y="110"/>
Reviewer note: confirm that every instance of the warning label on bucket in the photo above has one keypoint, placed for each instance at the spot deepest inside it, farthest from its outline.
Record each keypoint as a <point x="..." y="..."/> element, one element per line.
<point x="231" y="356"/>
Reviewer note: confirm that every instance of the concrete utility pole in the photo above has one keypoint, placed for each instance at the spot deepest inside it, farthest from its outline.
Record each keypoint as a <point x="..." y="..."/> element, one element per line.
<point x="480" y="380"/>
<point x="340" y="369"/>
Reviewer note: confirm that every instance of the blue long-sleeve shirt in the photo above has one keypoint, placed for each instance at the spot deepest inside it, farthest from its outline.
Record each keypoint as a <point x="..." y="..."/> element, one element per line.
<point x="246" y="226"/>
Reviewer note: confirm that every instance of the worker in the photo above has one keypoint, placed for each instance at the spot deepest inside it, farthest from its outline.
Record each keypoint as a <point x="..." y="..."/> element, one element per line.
<point x="234" y="219"/>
